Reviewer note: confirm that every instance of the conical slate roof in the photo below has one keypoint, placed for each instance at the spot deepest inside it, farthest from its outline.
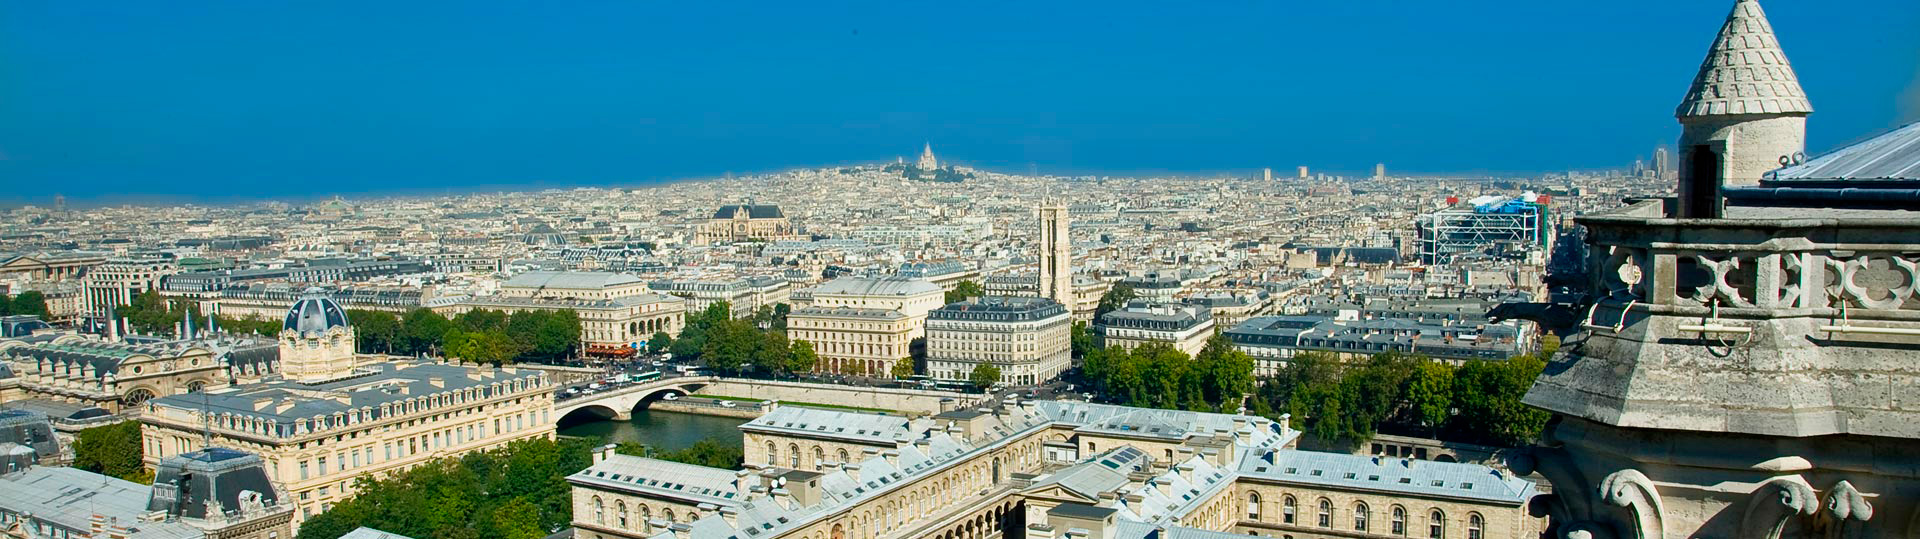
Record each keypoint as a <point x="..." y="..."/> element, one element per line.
<point x="1745" y="71"/>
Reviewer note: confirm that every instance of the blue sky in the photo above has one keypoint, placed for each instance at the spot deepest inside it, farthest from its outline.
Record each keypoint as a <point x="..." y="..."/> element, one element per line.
<point x="210" y="100"/>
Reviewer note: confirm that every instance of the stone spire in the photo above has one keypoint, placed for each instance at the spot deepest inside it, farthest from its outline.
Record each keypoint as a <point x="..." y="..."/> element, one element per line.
<point x="1745" y="71"/>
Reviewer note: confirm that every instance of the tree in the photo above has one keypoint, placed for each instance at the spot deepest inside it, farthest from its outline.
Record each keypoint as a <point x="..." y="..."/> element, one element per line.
<point x="984" y="375"/>
<point x="1225" y="374"/>
<point x="481" y="320"/>
<point x="557" y="336"/>
<point x="1430" y="394"/>
<point x="421" y="331"/>
<point x="518" y="491"/>
<point x="256" y="325"/>
<point x="31" y="302"/>
<point x="1549" y="344"/>
<point x="770" y="351"/>
<point x="709" y="452"/>
<point x="1081" y="338"/>
<point x="729" y="346"/>
<point x="802" y="358"/>
<point x="376" y="331"/>
<point x="1488" y="395"/>
<point x="112" y="450"/>
<point x="1115" y="299"/>
<point x="903" y="368"/>
<point x="659" y="342"/>
<point x="965" y="289"/>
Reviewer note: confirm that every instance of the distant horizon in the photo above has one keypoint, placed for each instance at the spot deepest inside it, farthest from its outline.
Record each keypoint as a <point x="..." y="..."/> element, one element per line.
<point x="229" y="100"/>
<point x="168" y="199"/>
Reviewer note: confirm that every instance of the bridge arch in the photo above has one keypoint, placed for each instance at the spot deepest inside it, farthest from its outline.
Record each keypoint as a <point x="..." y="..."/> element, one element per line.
<point x="588" y="414"/>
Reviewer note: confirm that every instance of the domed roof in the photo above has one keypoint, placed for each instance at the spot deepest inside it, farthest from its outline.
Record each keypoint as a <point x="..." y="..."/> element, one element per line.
<point x="315" y="312"/>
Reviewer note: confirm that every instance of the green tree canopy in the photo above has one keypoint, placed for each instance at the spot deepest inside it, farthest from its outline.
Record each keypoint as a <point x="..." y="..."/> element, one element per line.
<point x="31" y="302"/>
<point x="802" y="358"/>
<point x="984" y="375"/>
<point x="965" y="289"/>
<point x="659" y="342"/>
<point x="377" y="332"/>
<point x="112" y="450"/>
<point x="1115" y="299"/>
<point x="903" y="368"/>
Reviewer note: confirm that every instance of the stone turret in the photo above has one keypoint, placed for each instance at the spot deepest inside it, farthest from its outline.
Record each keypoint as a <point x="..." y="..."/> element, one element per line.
<point x="1744" y="115"/>
<point x="316" y="340"/>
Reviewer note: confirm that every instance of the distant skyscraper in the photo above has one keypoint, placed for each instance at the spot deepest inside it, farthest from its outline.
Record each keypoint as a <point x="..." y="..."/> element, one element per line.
<point x="1380" y="171"/>
<point x="1056" y="254"/>
<point x="1662" y="162"/>
<point x="1266" y="174"/>
<point x="60" y="203"/>
<point x="927" y="162"/>
<point x="1303" y="172"/>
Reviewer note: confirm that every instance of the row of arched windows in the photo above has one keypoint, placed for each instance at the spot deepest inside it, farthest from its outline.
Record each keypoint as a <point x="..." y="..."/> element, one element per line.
<point x="622" y="519"/>
<point x="1362" y="514"/>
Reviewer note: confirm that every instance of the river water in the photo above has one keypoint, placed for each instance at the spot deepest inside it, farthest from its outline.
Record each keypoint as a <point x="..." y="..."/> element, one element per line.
<point x="668" y="431"/>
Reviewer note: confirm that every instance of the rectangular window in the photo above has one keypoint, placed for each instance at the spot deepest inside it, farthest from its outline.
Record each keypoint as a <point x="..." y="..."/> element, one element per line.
<point x="303" y="469"/>
<point x="323" y="465"/>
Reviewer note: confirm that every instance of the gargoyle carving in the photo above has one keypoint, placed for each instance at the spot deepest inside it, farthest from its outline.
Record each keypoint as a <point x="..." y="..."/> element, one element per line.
<point x="1632" y="490"/>
<point x="1774" y="505"/>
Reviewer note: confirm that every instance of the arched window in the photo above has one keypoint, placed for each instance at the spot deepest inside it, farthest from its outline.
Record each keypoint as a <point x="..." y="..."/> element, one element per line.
<point x="1436" y="525"/>
<point x="1474" y="525"/>
<point x="1360" y="514"/>
<point x="1399" y="520"/>
<point x="818" y="455"/>
<point x="773" y="455"/>
<point x="667" y="514"/>
<point x="1326" y="513"/>
<point x="840" y="454"/>
<point x="1253" y="506"/>
<point x="599" y="511"/>
<point x="1286" y="510"/>
<point x="620" y="511"/>
<point x="793" y="456"/>
<point x="646" y="519"/>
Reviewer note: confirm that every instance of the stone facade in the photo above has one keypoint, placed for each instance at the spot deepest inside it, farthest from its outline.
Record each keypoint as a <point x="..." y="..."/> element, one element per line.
<point x="1028" y="339"/>
<point x="114" y="376"/>
<point x="853" y="340"/>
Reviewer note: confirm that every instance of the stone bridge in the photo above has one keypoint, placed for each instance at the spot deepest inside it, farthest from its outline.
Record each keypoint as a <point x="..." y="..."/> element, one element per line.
<point x="619" y="403"/>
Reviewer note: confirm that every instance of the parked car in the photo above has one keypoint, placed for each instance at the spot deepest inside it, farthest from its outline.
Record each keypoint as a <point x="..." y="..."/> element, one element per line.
<point x="671" y="397"/>
<point x="727" y="404"/>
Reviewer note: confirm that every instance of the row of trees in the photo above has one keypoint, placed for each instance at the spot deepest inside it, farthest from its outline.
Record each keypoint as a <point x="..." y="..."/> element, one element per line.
<point x="112" y="450"/>
<point x="1349" y="402"/>
<point x="1156" y="375"/>
<point x="730" y="346"/>
<point x="30" y="302"/>
<point x="516" y="492"/>
<point x="479" y="335"/>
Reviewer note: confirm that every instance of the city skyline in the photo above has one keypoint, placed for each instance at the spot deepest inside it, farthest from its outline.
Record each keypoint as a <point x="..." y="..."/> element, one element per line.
<point x="255" y="103"/>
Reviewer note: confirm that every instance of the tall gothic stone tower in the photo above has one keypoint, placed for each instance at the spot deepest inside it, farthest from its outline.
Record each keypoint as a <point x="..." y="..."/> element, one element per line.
<point x="1745" y="366"/>
<point x="1056" y="255"/>
<point x="1744" y="114"/>
<point x="316" y="342"/>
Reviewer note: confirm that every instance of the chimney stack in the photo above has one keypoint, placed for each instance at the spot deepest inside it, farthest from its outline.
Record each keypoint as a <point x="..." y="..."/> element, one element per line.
<point x="601" y="453"/>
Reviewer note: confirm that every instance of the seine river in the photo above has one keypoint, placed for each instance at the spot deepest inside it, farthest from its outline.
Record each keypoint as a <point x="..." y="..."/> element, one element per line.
<point x="662" y="430"/>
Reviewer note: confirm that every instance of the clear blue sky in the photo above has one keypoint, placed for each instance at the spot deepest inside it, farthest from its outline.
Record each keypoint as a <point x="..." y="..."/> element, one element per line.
<point x="295" y="99"/>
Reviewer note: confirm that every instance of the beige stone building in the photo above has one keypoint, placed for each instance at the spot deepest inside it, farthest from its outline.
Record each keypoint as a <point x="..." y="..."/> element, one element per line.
<point x="211" y="494"/>
<point x="1185" y="327"/>
<point x="604" y="324"/>
<point x="119" y="280"/>
<point x="339" y="419"/>
<point x="118" y="377"/>
<point x="747" y="222"/>
<point x="913" y="298"/>
<point x="583" y="285"/>
<point x="1041" y="470"/>
<point x="853" y="340"/>
<point x="1028" y="339"/>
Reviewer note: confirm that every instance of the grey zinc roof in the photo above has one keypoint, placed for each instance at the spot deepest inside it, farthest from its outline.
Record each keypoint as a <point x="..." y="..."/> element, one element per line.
<point x="853" y="312"/>
<point x="570" y="279"/>
<point x="1892" y="156"/>
<point x="388" y="382"/>
<point x="698" y="484"/>
<point x="1102" y="473"/>
<point x="820" y="423"/>
<point x="364" y="532"/>
<point x="876" y="286"/>
<point x="69" y="497"/>
<point x="1390" y="475"/>
<point x="754" y="211"/>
